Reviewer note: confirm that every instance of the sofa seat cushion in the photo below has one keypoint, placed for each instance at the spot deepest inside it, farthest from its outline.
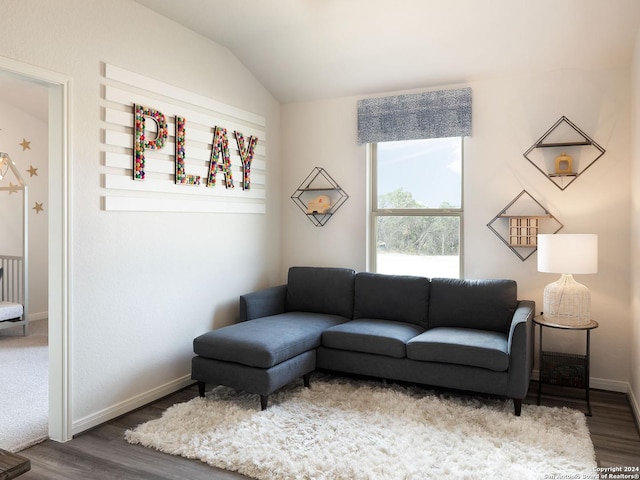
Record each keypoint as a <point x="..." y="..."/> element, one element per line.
<point x="380" y="337"/>
<point x="462" y="346"/>
<point x="401" y="298"/>
<point x="268" y="341"/>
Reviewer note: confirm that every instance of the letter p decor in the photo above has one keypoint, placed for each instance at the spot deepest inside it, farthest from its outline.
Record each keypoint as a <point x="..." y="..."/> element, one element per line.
<point x="140" y="142"/>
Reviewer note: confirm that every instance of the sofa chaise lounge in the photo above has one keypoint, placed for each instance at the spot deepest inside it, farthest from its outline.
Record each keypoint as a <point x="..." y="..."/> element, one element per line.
<point x="469" y="335"/>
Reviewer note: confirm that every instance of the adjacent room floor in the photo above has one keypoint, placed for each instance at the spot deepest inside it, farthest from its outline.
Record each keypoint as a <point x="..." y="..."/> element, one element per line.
<point x="24" y="380"/>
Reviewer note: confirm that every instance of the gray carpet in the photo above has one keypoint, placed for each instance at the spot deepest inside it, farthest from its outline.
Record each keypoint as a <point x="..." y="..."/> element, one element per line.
<point x="24" y="392"/>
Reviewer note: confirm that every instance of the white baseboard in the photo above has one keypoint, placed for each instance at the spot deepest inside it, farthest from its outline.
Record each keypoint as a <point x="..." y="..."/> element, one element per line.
<point x="611" y="385"/>
<point x="635" y="407"/>
<point x="38" y="316"/>
<point x="598" y="383"/>
<point x="126" y="406"/>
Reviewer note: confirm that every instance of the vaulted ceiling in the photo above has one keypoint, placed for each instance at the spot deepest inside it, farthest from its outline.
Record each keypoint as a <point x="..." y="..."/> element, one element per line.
<point x="303" y="50"/>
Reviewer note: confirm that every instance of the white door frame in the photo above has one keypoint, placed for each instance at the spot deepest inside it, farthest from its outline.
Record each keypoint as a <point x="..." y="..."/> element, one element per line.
<point x="60" y="417"/>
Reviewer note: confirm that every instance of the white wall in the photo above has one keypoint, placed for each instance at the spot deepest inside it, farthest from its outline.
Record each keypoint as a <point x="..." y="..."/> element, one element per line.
<point x="509" y="115"/>
<point x="322" y="134"/>
<point x="15" y="126"/>
<point x="635" y="236"/>
<point x="143" y="284"/>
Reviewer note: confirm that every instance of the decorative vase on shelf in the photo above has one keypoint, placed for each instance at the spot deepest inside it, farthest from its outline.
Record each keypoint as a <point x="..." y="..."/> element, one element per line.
<point x="564" y="164"/>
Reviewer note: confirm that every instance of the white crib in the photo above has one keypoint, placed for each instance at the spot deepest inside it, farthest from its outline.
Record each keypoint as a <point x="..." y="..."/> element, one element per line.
<point x="14" y="269"/>
<point x="13" y="293"/>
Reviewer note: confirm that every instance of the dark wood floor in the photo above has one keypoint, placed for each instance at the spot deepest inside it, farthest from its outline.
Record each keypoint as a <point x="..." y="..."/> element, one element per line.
<point x="614" y="431"/>
<point x="102" y="453"/>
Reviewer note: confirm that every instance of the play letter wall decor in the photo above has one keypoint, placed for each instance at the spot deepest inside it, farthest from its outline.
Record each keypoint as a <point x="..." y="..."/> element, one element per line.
<point x="220" y="146"/>
<point x="168" y="149"/>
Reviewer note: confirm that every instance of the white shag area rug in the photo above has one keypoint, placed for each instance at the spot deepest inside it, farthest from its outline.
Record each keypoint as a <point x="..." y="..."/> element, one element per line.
<point x="355" y="429"/>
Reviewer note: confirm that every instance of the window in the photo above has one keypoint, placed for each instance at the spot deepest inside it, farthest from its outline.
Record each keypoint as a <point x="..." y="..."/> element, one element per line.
<point x="416" y="207"/>
<point x="415" y="160"/>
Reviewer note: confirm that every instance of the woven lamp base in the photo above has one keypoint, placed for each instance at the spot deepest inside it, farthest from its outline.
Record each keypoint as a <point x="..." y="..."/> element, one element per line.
<point x="567" y="302"/>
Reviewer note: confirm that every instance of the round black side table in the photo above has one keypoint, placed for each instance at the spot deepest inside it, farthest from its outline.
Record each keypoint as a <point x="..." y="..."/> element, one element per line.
<point x="565" y="369"/>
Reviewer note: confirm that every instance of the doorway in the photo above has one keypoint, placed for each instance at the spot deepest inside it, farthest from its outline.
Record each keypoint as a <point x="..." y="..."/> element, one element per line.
<point x="59" y="255"/>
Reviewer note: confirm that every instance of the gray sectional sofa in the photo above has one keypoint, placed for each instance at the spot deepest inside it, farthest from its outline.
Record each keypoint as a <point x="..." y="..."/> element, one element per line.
<point x="469" y="335"/>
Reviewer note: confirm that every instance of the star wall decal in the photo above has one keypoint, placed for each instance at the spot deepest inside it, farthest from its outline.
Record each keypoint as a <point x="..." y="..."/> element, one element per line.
<point x="12" y="188"/>
<point x="26" y="145"/>
<point x="32" y="171"/>
<point x="38" y="208"/>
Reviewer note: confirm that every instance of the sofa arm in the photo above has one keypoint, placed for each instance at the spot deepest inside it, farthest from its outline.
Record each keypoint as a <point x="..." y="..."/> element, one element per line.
<point x="263" y="303"/>
<point x="521" y="349"/>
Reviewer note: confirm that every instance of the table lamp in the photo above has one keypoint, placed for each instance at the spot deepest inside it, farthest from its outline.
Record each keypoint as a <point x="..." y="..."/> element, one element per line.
<point x="567" y="302"/>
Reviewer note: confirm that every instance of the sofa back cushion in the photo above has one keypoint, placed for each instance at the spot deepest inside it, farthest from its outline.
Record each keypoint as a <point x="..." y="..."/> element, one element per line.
<point x="321" y="290"/>
<point x="392" y="297"/>
<point x="480" y="304"/>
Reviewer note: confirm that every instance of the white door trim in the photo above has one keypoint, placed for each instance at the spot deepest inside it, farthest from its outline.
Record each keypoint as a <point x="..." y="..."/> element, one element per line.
<point x="60" y="412"/>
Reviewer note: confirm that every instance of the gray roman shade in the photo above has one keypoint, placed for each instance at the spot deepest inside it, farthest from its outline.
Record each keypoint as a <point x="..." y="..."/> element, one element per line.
<point x="438" y="114"/>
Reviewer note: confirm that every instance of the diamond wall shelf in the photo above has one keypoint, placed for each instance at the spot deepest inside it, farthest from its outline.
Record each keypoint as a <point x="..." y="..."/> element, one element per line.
<point x="319" y="196"/>
<point x="518" y="224"/>
<point x="564" y="140"/>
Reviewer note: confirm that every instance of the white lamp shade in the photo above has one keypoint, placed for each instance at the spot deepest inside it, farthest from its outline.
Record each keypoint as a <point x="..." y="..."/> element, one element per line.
<point x="569" y="253"/>
<point x="566" y="301"/>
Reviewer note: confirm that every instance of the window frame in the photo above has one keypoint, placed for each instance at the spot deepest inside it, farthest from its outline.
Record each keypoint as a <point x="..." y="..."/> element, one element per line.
<point x="374" y="212"/>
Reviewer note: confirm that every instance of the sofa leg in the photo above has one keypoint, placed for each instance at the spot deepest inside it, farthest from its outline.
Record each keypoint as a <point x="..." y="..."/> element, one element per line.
<point x="517" y="406"/>
<point x="264" y="401"/>
<point x="201" y="388"/>
<point x="305" y="379"/>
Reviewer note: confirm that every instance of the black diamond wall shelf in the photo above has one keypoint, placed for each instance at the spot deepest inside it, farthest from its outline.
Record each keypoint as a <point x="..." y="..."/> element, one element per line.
<point x="564" y="139"/>
<point x="319" y="196"/>
<point x="519" y="223"/>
